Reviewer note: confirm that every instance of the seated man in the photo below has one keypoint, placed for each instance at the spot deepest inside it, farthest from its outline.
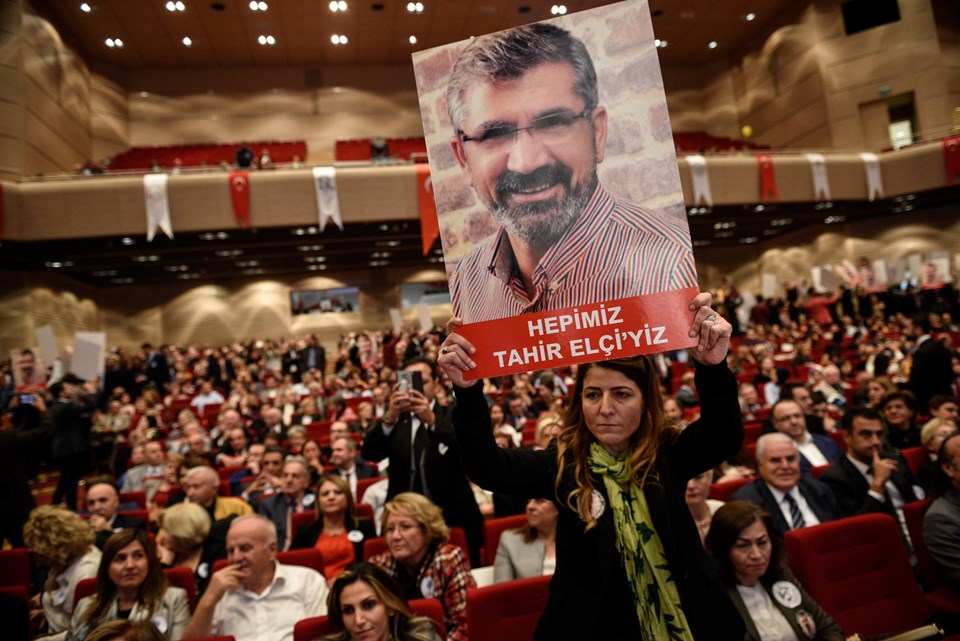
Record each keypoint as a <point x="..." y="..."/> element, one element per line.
<point x="270" y="478"/>
<point x="252" y="468"/>
<point x="863" y="481"/>
<point x="795" y="501"/>
<point x="102" y="503"/>
<point x="201" y="484"/>
<point x="293" y="497"/>
<point x="152" y="466"/>
<point x="815" y="449"/>
<point x="338" y="429"/>
<point x="898" y="407"/>
<point x="255" y="598"/>
<point x="206" y="396"/>
<point x="343" y="454"/>
<point x="941" y="524"/>
<point x="945" y="407"/>
<point x="234" y="451"/>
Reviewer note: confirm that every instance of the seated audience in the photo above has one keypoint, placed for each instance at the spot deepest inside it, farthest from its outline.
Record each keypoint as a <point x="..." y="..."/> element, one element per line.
<point x="869" y="479"/>
<point x="201" y="485"/>
<point x="185" y="541"/>
<point x="256" y="598"/>
<point x="270" y="478"/>
<point x="941" y="524"/>
<point x="294" y="496"/>
<point x="701" y="506"/>
<point x="932" y="435"/>
<point x="296" y="437"/>
<point x="795" y="501"/>
<point x="367" y="604"/>
<point x="131" y="585"/>
<point x="945" y="407"/>
<point x="744" y="541"/>
<point x="815" y="449"/>
<point x="102" y="504"/>
<point x="236" y="449"/>
<point x="876" y="388"/>
<point x="63" y="543"/>
<point x="152" y="466"/>
<point x="686" y="394"/>
<point x="530" y="550"/>
<point x="421" y="559"/>
<point x="343" y="454"/>
<point x="338" y="533"/>
<point x="124" y="630"/>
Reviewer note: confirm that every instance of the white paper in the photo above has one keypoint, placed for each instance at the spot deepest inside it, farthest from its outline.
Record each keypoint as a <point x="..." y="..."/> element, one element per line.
<point x="768" y="285"/>
<point x="47" y="343"/>
<point x="397" y="320"/>
<point x="426" y="323"/>
<point x="89" y="350"/>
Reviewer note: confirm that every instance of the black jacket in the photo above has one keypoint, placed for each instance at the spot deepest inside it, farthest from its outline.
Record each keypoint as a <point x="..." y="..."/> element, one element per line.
<point x="307" y="535"/>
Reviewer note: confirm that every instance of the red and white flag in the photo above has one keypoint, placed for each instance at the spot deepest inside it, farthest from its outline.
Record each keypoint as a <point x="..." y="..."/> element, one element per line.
<point x="240" y="197"/>
<point x="328" y="203"/>
<point x="157" y="205"/>
<point x="429" y="225"/>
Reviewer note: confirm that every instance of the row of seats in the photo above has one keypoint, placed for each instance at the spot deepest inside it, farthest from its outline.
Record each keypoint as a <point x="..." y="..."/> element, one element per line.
<point x="210" y="154"/>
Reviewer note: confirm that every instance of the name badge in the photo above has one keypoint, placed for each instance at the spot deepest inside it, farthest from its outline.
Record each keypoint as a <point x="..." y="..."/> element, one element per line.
<point x="308" y="499"/>
<point x="161" y="623"/>
<point x="598" y="504"/>
<point x="354" y="536"/>
<point x="427" y="588"/>
<point x="786" y="594"/>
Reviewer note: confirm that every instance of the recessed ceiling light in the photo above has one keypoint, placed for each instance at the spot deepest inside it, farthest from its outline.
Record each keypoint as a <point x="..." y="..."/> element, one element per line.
<point x="176" y="6"/>
<point x="413" y="40"/>
<point x="257" y="6"/>
<point x="187" y="41"/>
<point x="267" y="40"/>
<point x="712" y="44"/>
<point x="750" y="17"/>
<point x="338" y="39"/>
<point x="85" y="7"/>
<point x="415" y="7"/>
<point x="338" y="6"/>
<point x="114" y="43"/>
<point x="126" y="240"/>
<point x="558" y="9"/>
<point x="661" y="44"/>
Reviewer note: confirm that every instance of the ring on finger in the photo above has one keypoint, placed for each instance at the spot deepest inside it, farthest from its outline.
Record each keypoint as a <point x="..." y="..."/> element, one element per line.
<point x="444" y="350"/>
<point x="712" y="318"/>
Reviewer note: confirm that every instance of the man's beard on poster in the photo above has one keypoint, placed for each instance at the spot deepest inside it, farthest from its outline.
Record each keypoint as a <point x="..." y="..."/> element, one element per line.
<point x="526" y="220"/>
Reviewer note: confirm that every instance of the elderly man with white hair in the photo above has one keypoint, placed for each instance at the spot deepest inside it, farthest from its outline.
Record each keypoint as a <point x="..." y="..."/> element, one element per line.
<point x="255" y="597"/>
<point x="794" y="501"/>
<point x="201" y="484"/>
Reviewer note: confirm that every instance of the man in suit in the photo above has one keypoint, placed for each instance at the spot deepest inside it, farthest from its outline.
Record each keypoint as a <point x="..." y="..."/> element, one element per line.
<point x="293" y="497"/>
<point x="313" y="356"/>
<point x="343" y="454"/>
<point x="16" y="446"/>
<point x="156" y="370"/>
<point x="417" y="435"/>
<point x="798" y="392"/>
<point x="153" y="459"/>
<point x="795" y="501"/>
<point x="815" y="449"/>
<point x="102" y="503"/>
<point x="864" y="481"/>
<point x="931" y="371"/>
<point x="70" y="452"/>
<point x="941" y="523"/>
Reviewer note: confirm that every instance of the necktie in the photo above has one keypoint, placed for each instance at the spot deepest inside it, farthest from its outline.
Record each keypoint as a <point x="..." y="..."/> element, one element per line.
<point x="796" y="518"/>
<point x="416" y="465"/>
<point x="292" y="507"/>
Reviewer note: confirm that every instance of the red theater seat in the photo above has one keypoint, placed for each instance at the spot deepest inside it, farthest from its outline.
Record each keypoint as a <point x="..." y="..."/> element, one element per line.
<point x="492" y="530"/>
<point x="14" y="567"/>
<point x="507" y="611"/>
<point x="941" y="597"/>
<point x="722" y="491"/>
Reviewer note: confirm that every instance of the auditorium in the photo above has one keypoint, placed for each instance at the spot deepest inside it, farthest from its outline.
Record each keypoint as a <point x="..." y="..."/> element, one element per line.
<point x="234" y="405"/>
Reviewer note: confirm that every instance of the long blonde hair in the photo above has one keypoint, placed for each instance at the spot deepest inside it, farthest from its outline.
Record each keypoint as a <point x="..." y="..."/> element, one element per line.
<point x="575" y="438"/>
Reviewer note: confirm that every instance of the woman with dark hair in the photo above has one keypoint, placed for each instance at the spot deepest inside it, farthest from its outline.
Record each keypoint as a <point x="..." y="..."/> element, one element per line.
<point x="313" y="453"/>
<point x="366" y="604"/>
<point x="743" y="539"/>
<point x="122" y="630"/>
<point x="131" y="585"/>
<point x="630" y="564"/>
<point x="338" y="534"/>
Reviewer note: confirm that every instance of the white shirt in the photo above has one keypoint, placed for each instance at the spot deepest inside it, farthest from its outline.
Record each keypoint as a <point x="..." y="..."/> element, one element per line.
<point x="810" y="451"/>
<point x="809" y="517"/>
<point x="58" y="603"/>
<point x="296" y="593"/>
<point x="769" y="620"/>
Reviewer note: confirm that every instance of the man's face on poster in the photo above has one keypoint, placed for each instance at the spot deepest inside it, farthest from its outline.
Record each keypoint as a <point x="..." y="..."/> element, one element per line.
<point x="27" y="363"/>
<point x="531" y="147"/>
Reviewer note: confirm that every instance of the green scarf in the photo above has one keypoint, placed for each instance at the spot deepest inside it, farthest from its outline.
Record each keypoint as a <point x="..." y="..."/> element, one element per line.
<point x="654" y="592"/>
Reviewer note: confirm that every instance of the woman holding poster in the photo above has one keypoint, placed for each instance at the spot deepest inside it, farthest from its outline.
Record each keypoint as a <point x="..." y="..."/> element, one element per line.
<point x="630" y="564"/>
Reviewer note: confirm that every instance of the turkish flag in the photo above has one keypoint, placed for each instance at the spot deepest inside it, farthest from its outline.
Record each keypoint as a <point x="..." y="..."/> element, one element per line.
<point x="768" y="180"/>
<point x="951" y="156"/>
<point x="240" y="197"/>
<point x="429" y="225"/>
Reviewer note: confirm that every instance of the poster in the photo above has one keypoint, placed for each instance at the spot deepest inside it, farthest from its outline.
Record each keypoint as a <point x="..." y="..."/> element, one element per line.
<point x="29" y="370"/>
<point x="89" y="352"/>
<point x="559" y="203"/>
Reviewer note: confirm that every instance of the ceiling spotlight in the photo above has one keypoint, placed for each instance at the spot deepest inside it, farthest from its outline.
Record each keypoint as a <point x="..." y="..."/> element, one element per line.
<point x="558" y="9"/>
<point x="114" y="43"/>
<point x="750" y="17"/>
<point x="257" y="6"/>
<point x="338" y="6"/>
<point x="187" y="42"/>
<point x="176" y="6"/>
<point x="338" y="39"/>
<point x="85" y="7"/>
<point x="661" y="44"/>
<point x="712" y="44"/>
<point x="413" y="40"/>
<point x="267" y="40"/>
<point x="415" y="7"/>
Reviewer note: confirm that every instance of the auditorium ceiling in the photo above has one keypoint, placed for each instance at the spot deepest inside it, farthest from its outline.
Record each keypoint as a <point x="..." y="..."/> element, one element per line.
<point x="226" y="33"/>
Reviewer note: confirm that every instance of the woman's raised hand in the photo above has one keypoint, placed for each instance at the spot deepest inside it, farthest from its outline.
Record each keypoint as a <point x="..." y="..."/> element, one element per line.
<point x="711" y="329"/>
<point x="455" y="355"/>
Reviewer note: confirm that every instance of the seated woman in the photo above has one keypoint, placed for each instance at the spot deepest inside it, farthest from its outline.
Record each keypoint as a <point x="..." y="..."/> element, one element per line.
<point x="743" y="540"/>
<point x="932" y="435"/>
<point x="337" y="533"/>
<point x="122" y="630"/>
<point x="530" y="550"/>
<point x="422" y="560"/>
<point x="313" y="453"/>
<point x="367" y="603"/>
<point x="131" y="585"/>
<point x="63" y="542"/>
<point x="701" y="506"/>
<point x="184" y="541"/>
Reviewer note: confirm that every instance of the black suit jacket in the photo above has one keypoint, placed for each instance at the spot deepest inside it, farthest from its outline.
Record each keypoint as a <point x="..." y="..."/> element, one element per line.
<point x="319" y="358"/>
<point x="121" y="522"/>
<point x="851" y="488"/>
<point x="16" y="500"/>
<point x="589" y="594"/>
<point x="71" y="426"/>
<point x="817" y="494"/>
<point x="307" y="535"/>
<point x="931" y="373"/>
<point x="446" y="484"/>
